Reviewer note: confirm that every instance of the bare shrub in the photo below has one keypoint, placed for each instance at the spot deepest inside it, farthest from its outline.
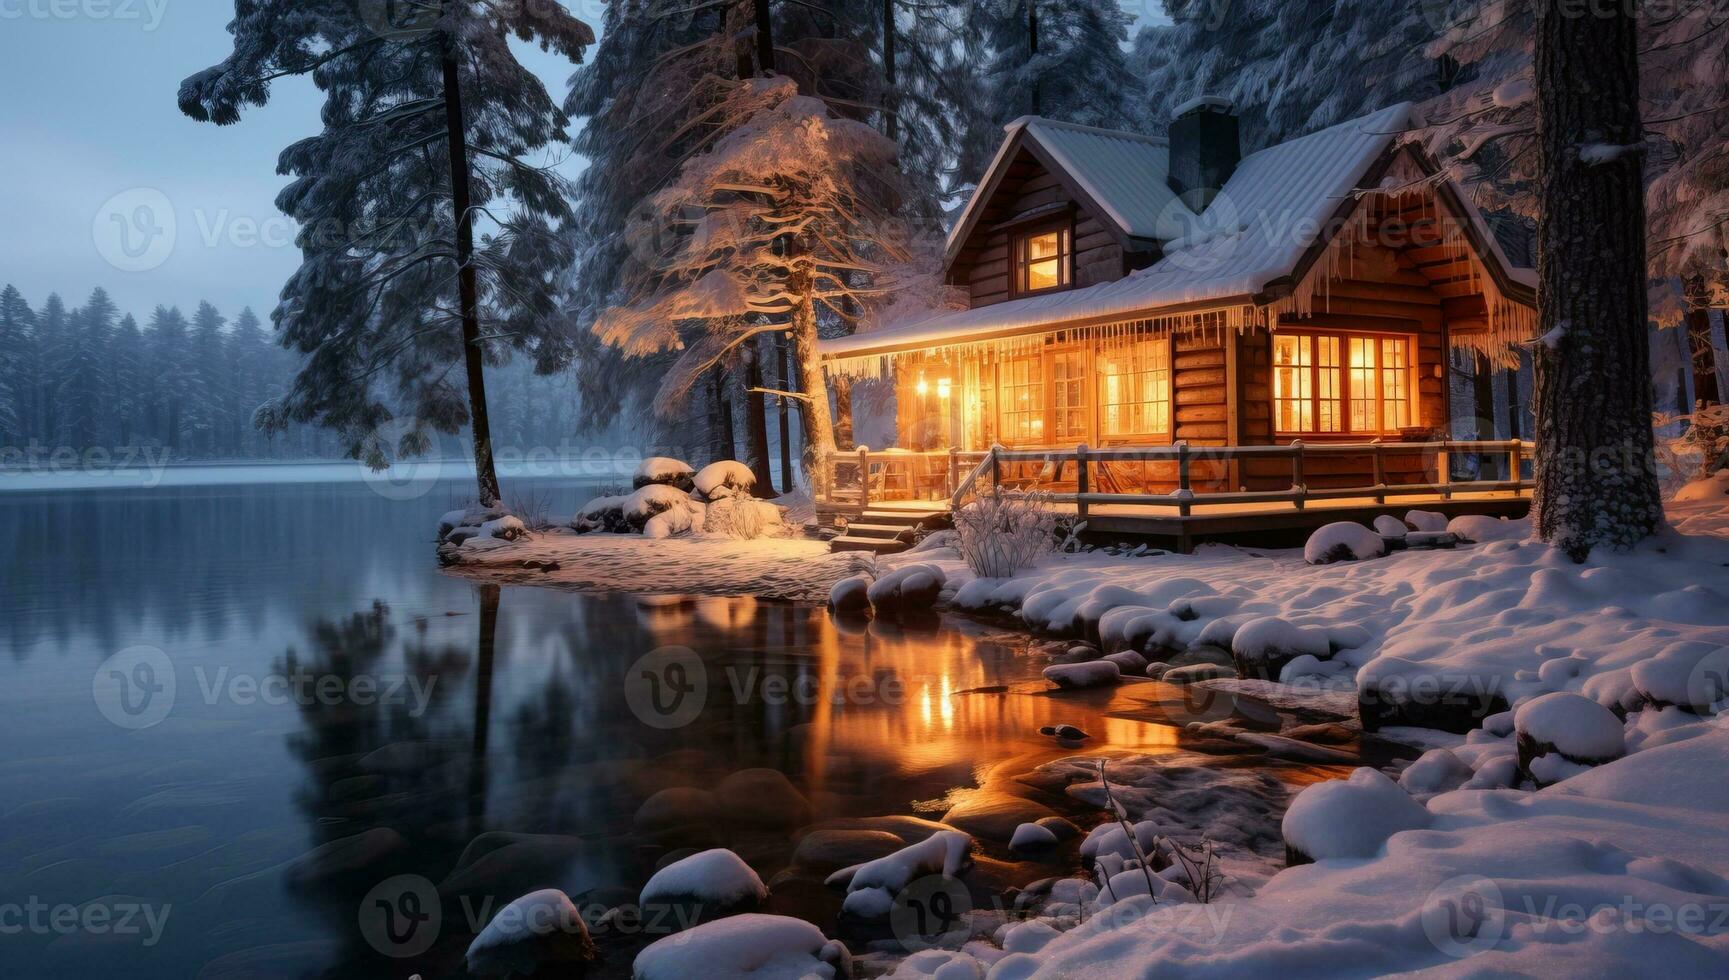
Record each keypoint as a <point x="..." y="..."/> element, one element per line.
<point x="533" y="509"/>
<point x="1002" y="534"/>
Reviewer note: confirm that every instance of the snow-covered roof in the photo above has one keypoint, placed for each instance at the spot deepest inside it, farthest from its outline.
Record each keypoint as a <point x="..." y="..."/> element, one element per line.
<point x="1255" y="233"/>
<point x="1123" y="173"/>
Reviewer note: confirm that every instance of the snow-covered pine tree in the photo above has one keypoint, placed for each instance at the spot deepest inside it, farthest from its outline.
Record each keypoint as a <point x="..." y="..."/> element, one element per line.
<point x="80" y="372"/>
<point x="1060" y="60"/>
<point x="127" y="382"/>
<point x="1596" y="462"/>
<point x="53" y="335"/>
<point x="773" y="220"/>
<point x="208" y="383"/>
<point x="17" y="329"/>
<point x="166" y="345"/>
<point x="255" y="374"/>
<point x="429" y="127"/>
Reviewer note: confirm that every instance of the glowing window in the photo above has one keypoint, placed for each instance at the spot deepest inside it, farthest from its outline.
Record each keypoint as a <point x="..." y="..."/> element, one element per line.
<point x="1042" y="261"/>
<point x="1315" y="392"/>
<point x="1135" y="389"/>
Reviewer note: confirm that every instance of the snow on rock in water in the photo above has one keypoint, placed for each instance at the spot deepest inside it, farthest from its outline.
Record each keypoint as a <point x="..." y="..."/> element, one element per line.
<point x="710" y="884"/>
<point x="663" y="469"/>
<point x="1343" y="541"/>
<point x="745" y="947"/>
<point x="909" y="587"/>
<point x="1032" y="837"/>
<point x="1262" y="647"/>
<point x="850" y="594"/>
<point x="1426" y="520"/>
<point x="1348" y="818"/>
<point x="872" y="886"/>
<point x="1093" y="673"/>
<point x="724" y="479"/>
<point x="1561" y="734"/>
<point x="542" y="929"/>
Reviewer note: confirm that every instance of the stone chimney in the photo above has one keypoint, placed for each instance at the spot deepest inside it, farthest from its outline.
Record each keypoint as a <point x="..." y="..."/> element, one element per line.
<point x="1205" y="150"/>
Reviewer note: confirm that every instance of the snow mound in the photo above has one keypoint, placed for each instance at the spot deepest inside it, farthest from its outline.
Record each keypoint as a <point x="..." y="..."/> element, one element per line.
<point x="1093" y="673"/>
<point x="605" y="513"/>
<point x="1349" y="818"/>
<point x="1480" y="529"/>
<point x="1426" y="520"/>
<point x="745" y="947"/>
<point x="1437" y="771"/>
<point x="1262" y="648"/>
<point x="1032" y="837"/>
<point x="744" y="518"/>
<point x="1577" y="727"/>
<point x="542" y="928"/>
<point x="1688" y="674"/>
<point x="872" y="886"/>
<point x="663" y="469"/>
<point x="726" y="478"/>
<point x="715" y="879"/>
<point x="1389" y="526"/>
<point x="1343" y="541"/>
<point x="909" y="587"/>
<point x="656" y="498"/>
<point x="673" y="521"/>
<point x="1710" y="489"/>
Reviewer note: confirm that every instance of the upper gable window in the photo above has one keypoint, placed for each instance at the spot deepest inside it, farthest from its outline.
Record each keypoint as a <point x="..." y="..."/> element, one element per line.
<point x="1042" y="260"/>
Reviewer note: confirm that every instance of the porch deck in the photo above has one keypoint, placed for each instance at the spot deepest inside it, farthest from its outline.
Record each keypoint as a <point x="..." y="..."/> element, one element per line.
<point x="1192" y="513"/>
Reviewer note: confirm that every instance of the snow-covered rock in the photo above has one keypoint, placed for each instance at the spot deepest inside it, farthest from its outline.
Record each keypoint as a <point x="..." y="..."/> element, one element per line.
<point x="1426" y="520"/>
<point x="1032" y="838"/>
<point x="1436" y="771"/>
<point x="1388" y="526"/>
<point x="1348" y="818"/>
<point x="604" y="513"/>
<point x="1343" y="541"/>
<point x="666" y="470"/>
<point x="706" y="885"/>
<point x="745" y="947"/>
<point x="871" y="887"/>
<point x="1689" y="674"/>
<point x="1261" y="648"/>
<point x="909" y="588"/>
<point x="850" y="594"/>
<point x="726" y="478"/>
<point x="1128" y="662"/>
<point x="1481" y="529"/>
<point x="1578" y="730"/>
<point x="1093" y="673"/>
<point x="542" y="929"/>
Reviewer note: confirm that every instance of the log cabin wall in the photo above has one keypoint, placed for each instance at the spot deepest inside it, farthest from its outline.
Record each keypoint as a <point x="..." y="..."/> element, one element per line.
<point x="1029" y="196"/>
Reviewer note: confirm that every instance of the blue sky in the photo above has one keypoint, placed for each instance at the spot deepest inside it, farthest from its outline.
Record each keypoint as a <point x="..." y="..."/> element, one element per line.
<point x="90" y="132"/>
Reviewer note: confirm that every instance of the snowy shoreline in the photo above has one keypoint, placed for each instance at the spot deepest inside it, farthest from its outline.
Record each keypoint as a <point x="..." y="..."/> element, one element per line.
<point x="1455" y="864"/>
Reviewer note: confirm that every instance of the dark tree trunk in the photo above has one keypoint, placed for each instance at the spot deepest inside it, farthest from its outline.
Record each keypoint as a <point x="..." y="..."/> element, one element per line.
<point x="764" y="38"/>
<point x="891" y="122"/>
<point x="1596" y="472"/>
<point x="756" y="420"/>
<point x="468" y="293"/>
<point x="818" y="425"/>
<point x="1515" y="411"/>
<point x="1483" y="399"/>
<point x="1705" y="367"/>
<point x="1033" y="47"/>
<point x="843" y="435"/>
<point x="786" y="384"/>
<point x="720" y="445"/>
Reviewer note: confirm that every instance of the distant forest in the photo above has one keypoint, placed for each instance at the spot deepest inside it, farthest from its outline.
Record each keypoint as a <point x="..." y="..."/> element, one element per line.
<point x="92" y="377"/>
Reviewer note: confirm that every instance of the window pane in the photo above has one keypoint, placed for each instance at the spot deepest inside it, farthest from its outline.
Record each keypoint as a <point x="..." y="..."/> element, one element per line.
<point x="1135" y="389"/>
<point x="1043" y="275"/>
<point x="1043" y="246"/>
<point x="1293" y="407"/>
<point x="1023" y="400"/>
<point x="1328" y="397"/>
<point x="1395" y="383"/>
<point x="1364" y="414"/>
<point x="1042" y="261"/>
<point x="1068" y="381"/>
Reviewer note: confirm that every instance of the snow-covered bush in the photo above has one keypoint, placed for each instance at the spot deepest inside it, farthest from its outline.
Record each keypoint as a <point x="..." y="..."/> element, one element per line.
<point x="1703" y="449"/>
<point x="1343" y="541"/>
<point x="727" y="478"/>
<point x="1348" y="818"/>
<point x="674" y="521"/>
<point x="663" y="470"/>
<point x="742" y="517"/>
<point x="603" y="513"/>
<point x="1707" y="489"/>
<point x="1002" y="534"/>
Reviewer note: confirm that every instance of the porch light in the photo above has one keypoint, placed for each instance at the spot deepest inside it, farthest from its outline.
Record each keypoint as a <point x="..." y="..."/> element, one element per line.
<point x="922" y="388"/>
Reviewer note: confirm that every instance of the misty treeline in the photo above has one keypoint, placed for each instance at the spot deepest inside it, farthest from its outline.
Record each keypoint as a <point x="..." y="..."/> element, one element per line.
<point x="93" y="377"/>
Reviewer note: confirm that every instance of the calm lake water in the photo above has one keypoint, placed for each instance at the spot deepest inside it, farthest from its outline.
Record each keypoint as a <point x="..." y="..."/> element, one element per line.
<point x="203" y="682"/>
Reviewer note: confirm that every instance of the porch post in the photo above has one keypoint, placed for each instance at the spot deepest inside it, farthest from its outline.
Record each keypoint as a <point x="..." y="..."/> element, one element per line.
<point x="1081" y="481"/>
<point x="1185" y="486"/>
<point x="1380" y="474"/>
<point x="864" y="477"/>
<point x="954" y="470"/>
<point x="1297" y="486"/>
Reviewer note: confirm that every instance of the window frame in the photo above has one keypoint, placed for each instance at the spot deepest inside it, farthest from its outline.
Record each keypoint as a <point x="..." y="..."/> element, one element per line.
<point x="1019" y="263"/>
<point x="1167" y="343"/>
<point x="1346" y="386"/>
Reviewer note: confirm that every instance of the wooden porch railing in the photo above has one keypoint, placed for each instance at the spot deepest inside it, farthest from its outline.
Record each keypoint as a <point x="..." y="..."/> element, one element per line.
<point x="1185" y="497"/>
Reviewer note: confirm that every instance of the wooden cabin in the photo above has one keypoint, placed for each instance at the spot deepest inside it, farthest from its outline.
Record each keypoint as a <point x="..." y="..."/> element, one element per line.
<point x="1126" y="292"/>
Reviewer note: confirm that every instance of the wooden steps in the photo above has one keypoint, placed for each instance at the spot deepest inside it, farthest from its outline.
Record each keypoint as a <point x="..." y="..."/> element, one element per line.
<point x="887" y="532"/>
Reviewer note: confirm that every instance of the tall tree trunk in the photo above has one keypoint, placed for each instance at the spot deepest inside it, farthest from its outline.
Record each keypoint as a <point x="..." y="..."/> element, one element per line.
<point x="813" y="409"/>
<point x="843" y="434"/>
<point x="764" y="38"/>
<point x="786" y="384"/>
<point x="1596" y="462"/>
<point x="719" y="418"/>
<point x="1483" y="399"/>
<point x="468" y="292"/>
<point x="756" y="420"/>
<point x="1033" y="47"/>
<point x="1515" y="410"/>
<point x="891" y="121"/>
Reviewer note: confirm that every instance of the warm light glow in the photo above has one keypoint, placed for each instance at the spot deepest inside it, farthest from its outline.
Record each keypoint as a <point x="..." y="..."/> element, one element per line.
<point x="922" y="388"/>
<point x="944" y="387"/>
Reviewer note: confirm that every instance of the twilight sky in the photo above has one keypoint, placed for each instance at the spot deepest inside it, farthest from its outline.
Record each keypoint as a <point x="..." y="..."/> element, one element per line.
<point x="90" y="135"/>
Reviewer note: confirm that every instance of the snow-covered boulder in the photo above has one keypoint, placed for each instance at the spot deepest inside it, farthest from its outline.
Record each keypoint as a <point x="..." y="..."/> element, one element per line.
<point x="1689" y="674"/>
<point x="727" y="478"/>
<point x="705" y="886"/>
<point x="1562" y="734"/>
<point x="745" y="947"/>
<point x="483" y="524"/>
<point x="1093" y="673"/>
<point x="1481" y="529"/>
<point x="850" y="594"/>
<point x="1437" y="771"/>
<point x="1129" y="662"/>
<point x="1348" y="818"/>
<point x="1343" y="541"/>
<point x="871" y="887"/>
<point x="1261" y="648"/>
<point x="603" y="513"/>
<point x="1388" y="526"/>
<point x="1426" y="520"/>
<point x="1032" y="838"/>
<point x="909" y="588"/>
<point x="664" y="470"/>
<point x="673" y="521"/>
<point x="540" y="930"/>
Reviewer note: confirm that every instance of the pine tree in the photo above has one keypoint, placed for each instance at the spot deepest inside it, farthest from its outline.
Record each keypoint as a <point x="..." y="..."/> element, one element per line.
<point x="127" y="384"/>
<point x="254" y="377"/>
<point x="208" y="392"/>
<point x="428" y="126"/>
<point x="80" y="372"/>
<point x="17" y="336"/>
<point x="167" y="350"/>
<point x="1060" y="60"/>
<point x="1596" y="463"/>
<point x="48" y="353"/>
